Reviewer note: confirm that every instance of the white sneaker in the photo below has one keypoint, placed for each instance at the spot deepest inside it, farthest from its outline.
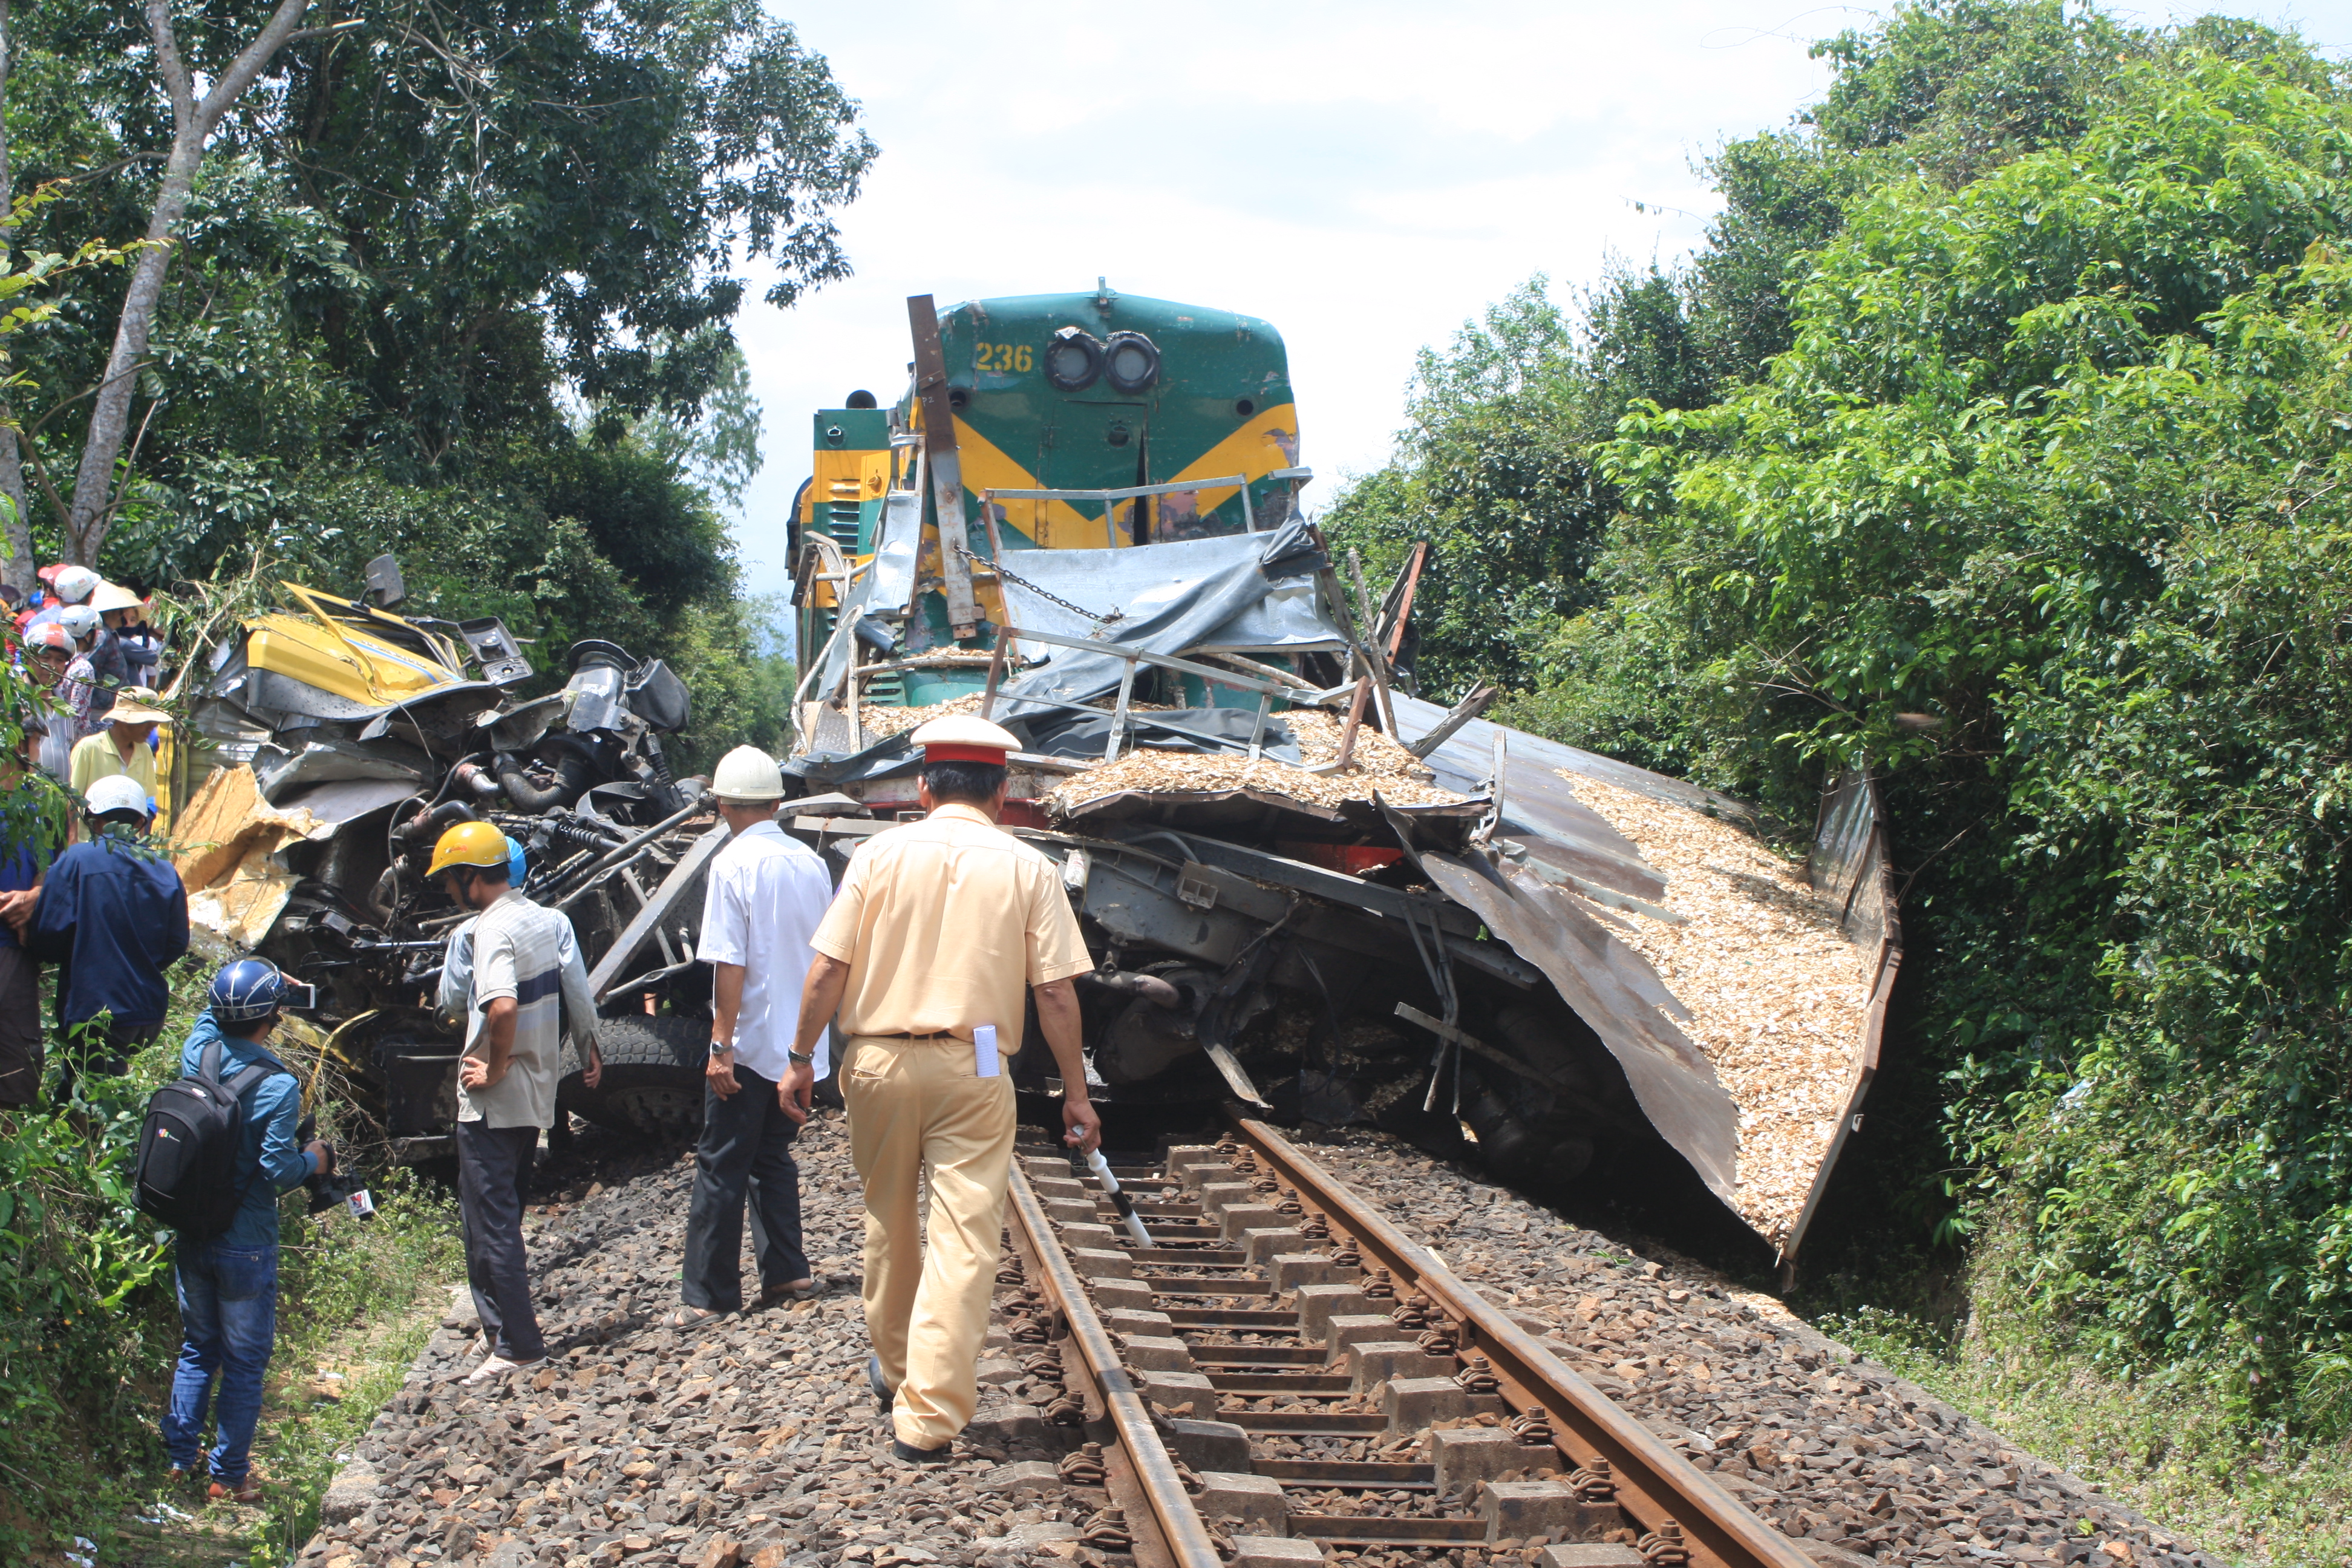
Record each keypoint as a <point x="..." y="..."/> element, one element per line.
<point x="496" y="1366"/>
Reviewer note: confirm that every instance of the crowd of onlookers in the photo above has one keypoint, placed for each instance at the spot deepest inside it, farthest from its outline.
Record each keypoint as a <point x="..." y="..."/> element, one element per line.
<point x="90" y="897"/>
<point x="89" y="645"/>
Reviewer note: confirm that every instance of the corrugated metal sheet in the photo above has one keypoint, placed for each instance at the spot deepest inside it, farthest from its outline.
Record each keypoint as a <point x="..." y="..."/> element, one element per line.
<point x="1614" y="990"/>
<point x="1539" y="810"/>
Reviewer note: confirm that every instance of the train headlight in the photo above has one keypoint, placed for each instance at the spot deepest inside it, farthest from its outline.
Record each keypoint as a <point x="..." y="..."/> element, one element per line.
<point x="1073" y="360"/>
<point x="1130" y="360"/>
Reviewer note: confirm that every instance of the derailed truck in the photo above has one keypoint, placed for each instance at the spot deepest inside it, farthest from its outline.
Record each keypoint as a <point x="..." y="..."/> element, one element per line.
<point x="336" y="740"/>
<point x="1305" y="889"/>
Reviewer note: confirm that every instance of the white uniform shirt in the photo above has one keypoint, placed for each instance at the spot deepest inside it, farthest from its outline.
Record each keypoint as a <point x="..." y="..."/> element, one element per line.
<point x="766" y="895"/>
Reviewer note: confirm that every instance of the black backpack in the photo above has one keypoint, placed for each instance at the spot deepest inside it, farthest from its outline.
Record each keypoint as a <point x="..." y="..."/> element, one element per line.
<point x="188" y="1145"/>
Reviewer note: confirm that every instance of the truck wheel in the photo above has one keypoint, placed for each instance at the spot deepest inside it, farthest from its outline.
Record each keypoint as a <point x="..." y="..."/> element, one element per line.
<point x="653" y="1077"/>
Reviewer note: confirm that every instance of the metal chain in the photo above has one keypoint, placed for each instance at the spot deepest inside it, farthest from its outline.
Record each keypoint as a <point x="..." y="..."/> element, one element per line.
<point x="998" y="567"/>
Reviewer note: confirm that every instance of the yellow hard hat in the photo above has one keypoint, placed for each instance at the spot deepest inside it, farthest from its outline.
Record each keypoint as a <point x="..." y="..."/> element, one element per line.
<point x="468" y="844"/>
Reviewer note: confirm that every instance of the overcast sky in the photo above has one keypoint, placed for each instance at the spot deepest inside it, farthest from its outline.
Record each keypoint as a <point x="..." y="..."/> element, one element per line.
<point x="1366" y="175"/>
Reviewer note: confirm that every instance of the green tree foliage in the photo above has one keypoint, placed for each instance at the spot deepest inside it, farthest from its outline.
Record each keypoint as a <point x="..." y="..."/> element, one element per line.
<point x="1956" y="88"/>
<point x="457" y="281"/>
<point x="1497" y="471"/>
<point x="1781" y="195"/>
<point x="2043" y="514"/>
<point x="1997" y="440"/>
<point x="1496" y="468"/>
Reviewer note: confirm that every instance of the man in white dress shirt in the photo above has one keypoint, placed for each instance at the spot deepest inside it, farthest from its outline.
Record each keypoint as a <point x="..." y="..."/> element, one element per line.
<point x="767" y="894"/>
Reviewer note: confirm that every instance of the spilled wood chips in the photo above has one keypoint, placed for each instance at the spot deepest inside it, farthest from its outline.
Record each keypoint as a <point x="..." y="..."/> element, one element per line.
<point x="1776" y="992"/>
<point x="1378" y="764"/>
<point x="880" y="724"/>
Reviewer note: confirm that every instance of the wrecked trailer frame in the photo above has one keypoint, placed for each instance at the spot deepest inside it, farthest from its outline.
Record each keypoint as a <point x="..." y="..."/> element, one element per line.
<point x="1474" y="980"/>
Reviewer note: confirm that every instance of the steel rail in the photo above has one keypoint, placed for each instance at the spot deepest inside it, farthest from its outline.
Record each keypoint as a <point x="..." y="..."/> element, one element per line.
<point x="1654" y="1484"/>
<point x="1182" y="1538"/>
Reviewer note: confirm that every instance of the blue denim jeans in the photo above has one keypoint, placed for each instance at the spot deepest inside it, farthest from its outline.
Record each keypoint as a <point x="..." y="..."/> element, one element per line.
<point x="229" y="1326"/>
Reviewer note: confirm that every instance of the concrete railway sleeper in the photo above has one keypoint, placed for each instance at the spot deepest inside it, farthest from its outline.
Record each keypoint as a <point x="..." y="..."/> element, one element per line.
<point x="1282" y="1374"/>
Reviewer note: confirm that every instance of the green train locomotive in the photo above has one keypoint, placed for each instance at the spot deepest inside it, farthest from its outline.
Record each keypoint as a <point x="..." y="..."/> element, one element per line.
<point x="1036" y="422"/>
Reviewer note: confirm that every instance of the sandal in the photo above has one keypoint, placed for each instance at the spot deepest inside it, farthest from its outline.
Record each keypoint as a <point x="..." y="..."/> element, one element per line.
<point x="792" y="1291"/>
<point x="687" y="1320"/>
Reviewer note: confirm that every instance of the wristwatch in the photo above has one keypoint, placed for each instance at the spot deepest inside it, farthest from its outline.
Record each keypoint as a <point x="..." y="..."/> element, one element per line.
<point x="807" y="1061"/>
<point x="719" y="1047"/>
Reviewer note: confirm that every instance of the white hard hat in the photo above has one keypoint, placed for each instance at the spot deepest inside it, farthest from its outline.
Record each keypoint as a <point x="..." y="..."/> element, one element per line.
<point x="79" y="620"/>
<point x="117" y="792"/>
<point x="748" y="774"/>
<point x="75" y="583"/>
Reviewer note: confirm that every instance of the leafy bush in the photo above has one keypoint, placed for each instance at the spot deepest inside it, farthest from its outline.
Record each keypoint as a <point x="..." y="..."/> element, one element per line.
<point x="90" y="1328"/>
<point x="76" y="1263"/>
<point x="2042" y="514"/>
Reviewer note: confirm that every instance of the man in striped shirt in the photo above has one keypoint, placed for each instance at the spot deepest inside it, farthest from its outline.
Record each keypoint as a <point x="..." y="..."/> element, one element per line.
<point x="506" y="1084"/>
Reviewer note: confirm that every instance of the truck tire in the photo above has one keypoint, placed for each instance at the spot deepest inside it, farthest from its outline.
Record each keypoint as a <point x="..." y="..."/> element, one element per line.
<point x="653" y="1077"/>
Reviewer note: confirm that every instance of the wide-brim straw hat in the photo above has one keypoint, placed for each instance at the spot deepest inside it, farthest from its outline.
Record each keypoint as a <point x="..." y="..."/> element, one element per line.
<point x="137" y="705"/>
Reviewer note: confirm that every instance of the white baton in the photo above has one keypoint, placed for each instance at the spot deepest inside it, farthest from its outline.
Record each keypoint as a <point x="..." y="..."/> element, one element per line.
<point x="1119" y="1200"/>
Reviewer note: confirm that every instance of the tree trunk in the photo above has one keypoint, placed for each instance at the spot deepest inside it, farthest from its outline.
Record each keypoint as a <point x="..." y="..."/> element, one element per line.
<point x="96" y="493"/>
<point x="19" y="567"/>
<point x="110" y="413"/>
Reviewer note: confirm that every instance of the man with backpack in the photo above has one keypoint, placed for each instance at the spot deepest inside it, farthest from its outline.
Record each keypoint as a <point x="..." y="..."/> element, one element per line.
<point x="217" y="1151"/>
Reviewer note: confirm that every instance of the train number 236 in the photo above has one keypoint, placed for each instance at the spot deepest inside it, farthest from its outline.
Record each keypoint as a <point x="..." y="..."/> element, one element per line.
<point x="1004" y="359"/>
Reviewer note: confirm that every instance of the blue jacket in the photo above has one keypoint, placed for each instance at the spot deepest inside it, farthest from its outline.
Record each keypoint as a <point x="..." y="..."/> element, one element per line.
<point x="112" y="914"/>
<point x="24" y="848"/>
<point x="270" y="1161"/>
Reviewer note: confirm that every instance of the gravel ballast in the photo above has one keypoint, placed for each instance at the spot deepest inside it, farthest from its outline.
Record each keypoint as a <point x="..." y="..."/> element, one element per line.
<point x="1843" y="1455"/>
<point x="753" y="1441"/>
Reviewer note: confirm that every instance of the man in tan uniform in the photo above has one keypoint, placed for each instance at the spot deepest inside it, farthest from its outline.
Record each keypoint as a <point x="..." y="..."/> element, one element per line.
<point x="939" y="928"/>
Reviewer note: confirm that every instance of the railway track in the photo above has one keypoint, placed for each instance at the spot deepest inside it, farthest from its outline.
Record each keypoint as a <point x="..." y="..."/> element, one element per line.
<point x="1281" y="1373"/>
